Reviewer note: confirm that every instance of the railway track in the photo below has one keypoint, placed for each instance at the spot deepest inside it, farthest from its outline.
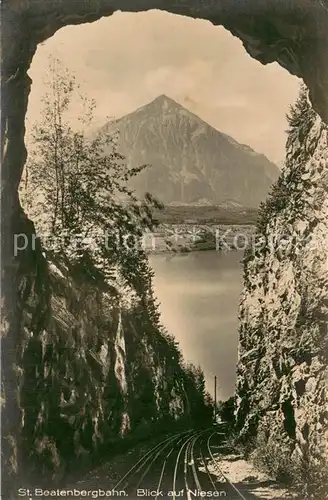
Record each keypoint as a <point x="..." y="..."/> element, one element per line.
<point x="177" y="467"/>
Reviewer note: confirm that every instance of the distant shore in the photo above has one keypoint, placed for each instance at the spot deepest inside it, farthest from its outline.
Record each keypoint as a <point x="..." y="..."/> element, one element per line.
<point x="186" y="238"/>
<point x="206" y="215"/>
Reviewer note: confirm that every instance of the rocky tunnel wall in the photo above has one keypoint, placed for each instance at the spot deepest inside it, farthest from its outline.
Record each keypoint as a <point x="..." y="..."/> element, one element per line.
<point x="291" y="32"/>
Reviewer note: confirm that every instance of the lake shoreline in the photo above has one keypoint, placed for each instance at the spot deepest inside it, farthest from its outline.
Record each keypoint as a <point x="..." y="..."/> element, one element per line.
<point x="182" y="238"/>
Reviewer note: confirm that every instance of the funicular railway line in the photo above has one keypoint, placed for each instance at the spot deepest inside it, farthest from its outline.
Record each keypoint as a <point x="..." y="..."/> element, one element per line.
<point x="178" y="468"/>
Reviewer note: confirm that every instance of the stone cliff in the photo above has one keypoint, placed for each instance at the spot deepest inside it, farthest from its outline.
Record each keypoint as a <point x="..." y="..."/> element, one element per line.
<point x="93" y="364"/>
<point x="282" y="368"/>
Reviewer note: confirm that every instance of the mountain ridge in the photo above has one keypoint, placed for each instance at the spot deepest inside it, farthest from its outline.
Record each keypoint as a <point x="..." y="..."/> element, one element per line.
<point x="190" y="160"/>
<point x="170" y="99"/>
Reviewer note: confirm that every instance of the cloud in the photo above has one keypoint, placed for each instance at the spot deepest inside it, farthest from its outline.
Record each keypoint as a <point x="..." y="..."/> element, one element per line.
<point x="126" y="60"/>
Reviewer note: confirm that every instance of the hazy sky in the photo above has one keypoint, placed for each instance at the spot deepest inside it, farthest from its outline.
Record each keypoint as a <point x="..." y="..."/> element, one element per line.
<point x="128" y="59"/>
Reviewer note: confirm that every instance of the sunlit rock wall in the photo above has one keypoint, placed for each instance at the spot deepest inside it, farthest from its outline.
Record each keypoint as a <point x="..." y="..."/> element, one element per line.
<point x="282" y="367"/>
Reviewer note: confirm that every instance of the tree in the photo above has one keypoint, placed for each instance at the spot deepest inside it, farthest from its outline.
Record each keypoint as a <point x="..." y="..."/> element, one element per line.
<point x="300" y="118"/>
<point x="227" y="410"/>
<point x="76" y="184"/>
<point x="201" y="403"/>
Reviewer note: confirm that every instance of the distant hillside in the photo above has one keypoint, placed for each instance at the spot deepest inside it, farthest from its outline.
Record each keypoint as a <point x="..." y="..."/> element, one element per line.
<point x="191" y="162"/>
<point x="206" y="214"/>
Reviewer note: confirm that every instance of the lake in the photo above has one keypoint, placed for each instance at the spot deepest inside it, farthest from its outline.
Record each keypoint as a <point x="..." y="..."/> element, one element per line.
<point x="199" y="296"/>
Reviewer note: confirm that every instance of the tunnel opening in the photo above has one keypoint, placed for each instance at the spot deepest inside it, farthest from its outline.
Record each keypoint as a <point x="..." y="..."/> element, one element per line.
<point x="179" y="99"/>
<point x="35" y="26"/>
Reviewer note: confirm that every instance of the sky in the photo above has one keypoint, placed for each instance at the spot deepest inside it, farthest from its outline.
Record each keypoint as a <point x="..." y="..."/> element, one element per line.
<point x="127" y="60"/>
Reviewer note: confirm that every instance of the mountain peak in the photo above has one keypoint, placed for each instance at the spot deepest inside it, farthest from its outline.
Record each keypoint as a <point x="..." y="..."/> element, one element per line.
<point x="190" y="160"/>
<point x="162" y="97"/>
<point x="159" y="104"/>
<point x="164" y="100"/>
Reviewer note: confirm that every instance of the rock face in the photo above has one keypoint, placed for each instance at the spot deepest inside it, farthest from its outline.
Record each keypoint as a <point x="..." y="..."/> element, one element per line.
<point x="190" y="161"/>
<point x="282" y="367"/>
<point x="92" y="368"/>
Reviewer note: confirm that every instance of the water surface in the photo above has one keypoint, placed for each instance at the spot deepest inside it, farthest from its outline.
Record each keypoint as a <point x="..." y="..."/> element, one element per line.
<point x="199" y="295"/>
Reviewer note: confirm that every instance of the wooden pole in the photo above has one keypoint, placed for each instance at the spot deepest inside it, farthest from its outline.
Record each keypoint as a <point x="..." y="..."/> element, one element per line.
<point x="215" y="403"/>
